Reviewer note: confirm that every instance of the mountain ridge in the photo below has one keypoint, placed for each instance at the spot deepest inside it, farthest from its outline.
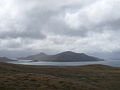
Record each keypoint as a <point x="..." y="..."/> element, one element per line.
<point x="67" y="56"/>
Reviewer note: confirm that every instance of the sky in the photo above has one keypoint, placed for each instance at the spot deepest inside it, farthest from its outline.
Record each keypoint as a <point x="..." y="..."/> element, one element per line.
<point x="52" y="26"/>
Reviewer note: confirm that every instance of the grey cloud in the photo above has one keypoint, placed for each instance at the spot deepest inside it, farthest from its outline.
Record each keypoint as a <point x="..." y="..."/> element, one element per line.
<point x="24" y="34"/>
<point x="56" y="26"/>
<point x="61" y="25"/>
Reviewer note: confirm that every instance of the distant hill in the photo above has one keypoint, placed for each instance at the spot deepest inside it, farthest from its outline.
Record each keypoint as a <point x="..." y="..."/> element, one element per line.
<point x="67" y="56"/>
<point x="5" y="59"/>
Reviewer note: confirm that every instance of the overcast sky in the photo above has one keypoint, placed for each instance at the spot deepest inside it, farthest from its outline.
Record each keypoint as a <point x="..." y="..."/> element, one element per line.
<point x="85" y="26"/>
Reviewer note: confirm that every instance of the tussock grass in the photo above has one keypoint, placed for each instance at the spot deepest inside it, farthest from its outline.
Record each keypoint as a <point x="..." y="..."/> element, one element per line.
<point x="89" y="77"/>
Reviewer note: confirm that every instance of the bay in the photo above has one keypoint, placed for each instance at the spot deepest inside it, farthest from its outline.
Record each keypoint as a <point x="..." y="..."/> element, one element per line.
<point x="115" y="63"/>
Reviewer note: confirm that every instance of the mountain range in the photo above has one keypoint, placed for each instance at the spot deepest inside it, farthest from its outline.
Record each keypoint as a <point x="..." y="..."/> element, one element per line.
<point x="67" y="56"/>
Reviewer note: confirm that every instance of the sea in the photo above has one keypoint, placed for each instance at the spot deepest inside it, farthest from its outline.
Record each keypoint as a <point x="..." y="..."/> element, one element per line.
<point x="114" y="63"/>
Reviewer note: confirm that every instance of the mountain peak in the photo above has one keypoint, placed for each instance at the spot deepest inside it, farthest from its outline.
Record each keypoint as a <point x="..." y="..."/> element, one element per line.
<point x="41" y="53"/>
<point x="68" y="52"/>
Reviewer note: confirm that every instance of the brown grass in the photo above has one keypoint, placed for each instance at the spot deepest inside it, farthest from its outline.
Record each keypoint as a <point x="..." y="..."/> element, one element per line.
<point x="90" y="77"/>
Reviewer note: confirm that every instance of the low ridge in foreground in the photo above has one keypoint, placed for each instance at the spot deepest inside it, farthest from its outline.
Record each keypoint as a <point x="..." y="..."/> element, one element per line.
<point x="90" y="77"/>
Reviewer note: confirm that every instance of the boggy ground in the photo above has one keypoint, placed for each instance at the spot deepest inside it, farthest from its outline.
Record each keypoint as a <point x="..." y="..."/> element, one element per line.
<point x="89" y="77"/>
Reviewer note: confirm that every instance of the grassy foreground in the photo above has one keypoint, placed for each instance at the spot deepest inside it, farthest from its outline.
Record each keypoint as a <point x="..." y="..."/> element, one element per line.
<point x="89" y="77"/>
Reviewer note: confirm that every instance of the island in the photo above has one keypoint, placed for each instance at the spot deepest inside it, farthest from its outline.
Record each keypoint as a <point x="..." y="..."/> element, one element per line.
<point x="67" y="56"/>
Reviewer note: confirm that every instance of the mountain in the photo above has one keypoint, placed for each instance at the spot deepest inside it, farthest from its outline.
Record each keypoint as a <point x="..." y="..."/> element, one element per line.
<point x="67" y="56"/>
<point x="5" y="59"/>
<point x="35" y="57"/>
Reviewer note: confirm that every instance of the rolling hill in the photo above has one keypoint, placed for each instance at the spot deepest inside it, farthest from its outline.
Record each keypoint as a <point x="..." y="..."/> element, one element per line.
<point x="89" y="77"/>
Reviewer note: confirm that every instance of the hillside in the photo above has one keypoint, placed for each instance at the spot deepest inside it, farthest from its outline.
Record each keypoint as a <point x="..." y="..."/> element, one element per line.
<point x="62" y="57"/>
<point x="89" y="77"/>
<point x="5" y="59"/>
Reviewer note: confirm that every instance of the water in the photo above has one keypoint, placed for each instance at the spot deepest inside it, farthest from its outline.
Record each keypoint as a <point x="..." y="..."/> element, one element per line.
<point x="115" y="63"/>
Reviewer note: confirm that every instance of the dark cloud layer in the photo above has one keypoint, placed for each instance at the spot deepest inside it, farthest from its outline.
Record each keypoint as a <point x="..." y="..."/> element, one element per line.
<point x="90" y="26"/>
